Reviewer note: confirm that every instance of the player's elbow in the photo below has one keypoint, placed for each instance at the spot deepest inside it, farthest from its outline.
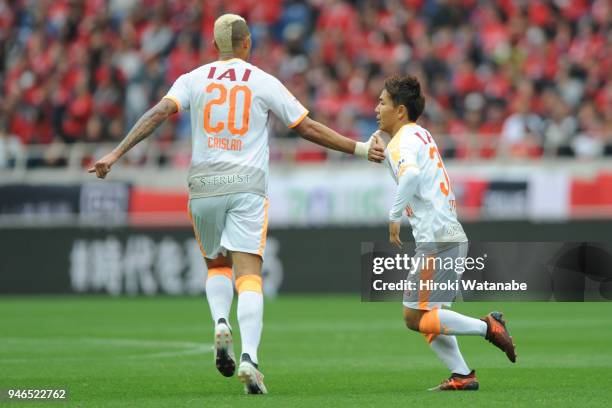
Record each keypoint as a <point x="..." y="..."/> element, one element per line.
<point x="164" y="109"/>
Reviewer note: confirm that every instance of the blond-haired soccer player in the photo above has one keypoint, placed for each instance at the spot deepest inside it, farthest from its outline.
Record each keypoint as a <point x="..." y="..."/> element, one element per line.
<point x="425" y="193"/>
<point x="229" y="101"/>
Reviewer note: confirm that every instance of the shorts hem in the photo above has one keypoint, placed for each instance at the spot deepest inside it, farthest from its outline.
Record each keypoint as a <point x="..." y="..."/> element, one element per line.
<point x="248" y="251"/>
<point x="430" y="305"/>
<point x="215" y="254"/>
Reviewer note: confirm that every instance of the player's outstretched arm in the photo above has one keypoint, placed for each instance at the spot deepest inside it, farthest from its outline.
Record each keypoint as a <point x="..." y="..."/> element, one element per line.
<point x="320" y="134"/>
<point x="140" y="131"/>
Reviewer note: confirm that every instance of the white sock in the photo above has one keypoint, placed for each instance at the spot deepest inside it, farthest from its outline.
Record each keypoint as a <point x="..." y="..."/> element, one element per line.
<point x="447" y="350"/>
<point x="250" y="319"/>
<point x="454" y="323"/>
<point x="220" y="293"/>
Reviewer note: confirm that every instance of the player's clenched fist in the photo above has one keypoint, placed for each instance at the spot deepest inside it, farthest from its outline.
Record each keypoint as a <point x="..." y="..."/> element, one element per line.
<point x="103" y="166"/>
<point x="376" y="152"/>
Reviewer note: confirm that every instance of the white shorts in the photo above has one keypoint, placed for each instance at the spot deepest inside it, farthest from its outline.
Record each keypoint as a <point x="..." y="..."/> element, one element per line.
<point x="428" y="300"/>
<point x="231" y="222"/>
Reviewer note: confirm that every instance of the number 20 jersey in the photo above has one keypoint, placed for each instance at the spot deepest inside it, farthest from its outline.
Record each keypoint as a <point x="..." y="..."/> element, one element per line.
<point x="432" y="209"/>
<point x="229" y="102"/>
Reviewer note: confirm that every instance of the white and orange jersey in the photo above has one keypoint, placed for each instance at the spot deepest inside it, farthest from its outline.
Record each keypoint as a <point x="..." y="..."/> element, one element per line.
<point x="230" y="102"/>
<point x="424" y="188"/>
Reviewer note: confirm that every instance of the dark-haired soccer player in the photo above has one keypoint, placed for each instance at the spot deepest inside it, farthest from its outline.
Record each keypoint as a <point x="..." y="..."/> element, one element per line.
<point x="424" y="191"/>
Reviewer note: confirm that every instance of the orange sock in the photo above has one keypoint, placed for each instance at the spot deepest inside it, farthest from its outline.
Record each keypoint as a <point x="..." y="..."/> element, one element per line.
<point x="222" y="270"/>
<point x="219" y="292"/>
<point x="430" y="323"/>
<point x="251" y="283"/>
<point x="250" y="313"/>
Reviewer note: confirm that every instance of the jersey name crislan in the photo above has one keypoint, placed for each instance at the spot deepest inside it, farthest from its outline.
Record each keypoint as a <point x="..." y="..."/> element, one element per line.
<point x="229" y="102"/>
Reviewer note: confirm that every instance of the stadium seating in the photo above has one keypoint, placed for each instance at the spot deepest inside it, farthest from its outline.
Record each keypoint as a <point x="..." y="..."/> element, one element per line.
<point x="503" y="78"/>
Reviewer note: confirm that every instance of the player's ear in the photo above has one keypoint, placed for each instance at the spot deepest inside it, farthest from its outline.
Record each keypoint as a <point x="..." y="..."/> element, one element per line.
<point x="216" y="46"/>
<point x="401" y="110"/>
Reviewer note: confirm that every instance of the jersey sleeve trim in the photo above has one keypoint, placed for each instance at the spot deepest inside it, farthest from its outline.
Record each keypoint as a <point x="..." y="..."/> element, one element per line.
<point x="299" y="120"/>
<point x="173" y="99"/>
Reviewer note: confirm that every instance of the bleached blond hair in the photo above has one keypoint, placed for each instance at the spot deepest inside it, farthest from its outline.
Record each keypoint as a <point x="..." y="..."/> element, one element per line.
<point x="229" y="30"/>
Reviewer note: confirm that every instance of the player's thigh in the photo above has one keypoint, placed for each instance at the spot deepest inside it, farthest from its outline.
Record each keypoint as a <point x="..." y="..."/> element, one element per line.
<point x="208" y="216"/>
<point x="442" y="278"/>
<point x="246" y="264"/>
<point x="246" y="224"/>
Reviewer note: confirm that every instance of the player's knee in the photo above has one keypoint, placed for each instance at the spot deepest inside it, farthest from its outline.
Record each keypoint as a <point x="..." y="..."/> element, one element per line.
<point x="412" y="319"/>
<point x="412" y="322"/>
<point x="219" y="262"/>
<point x="219" y="266"/>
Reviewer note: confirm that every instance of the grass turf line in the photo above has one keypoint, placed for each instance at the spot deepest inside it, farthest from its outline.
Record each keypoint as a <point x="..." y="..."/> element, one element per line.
<point x="316" y="351"/>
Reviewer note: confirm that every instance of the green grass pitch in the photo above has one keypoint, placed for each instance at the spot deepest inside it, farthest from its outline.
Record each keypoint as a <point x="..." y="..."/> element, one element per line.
<point x="316" y="351"/>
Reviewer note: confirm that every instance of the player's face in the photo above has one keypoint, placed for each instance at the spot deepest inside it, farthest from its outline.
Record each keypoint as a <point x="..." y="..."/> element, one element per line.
<point x="386" y="113"/>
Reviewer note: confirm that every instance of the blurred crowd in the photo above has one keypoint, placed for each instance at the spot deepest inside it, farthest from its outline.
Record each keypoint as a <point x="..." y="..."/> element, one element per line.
<point x="511" y="78"/>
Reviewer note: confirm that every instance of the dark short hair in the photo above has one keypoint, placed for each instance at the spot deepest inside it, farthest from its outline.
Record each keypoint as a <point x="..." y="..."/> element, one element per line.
<point x="240" y="31"/>
<point x="406" y="90"/>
